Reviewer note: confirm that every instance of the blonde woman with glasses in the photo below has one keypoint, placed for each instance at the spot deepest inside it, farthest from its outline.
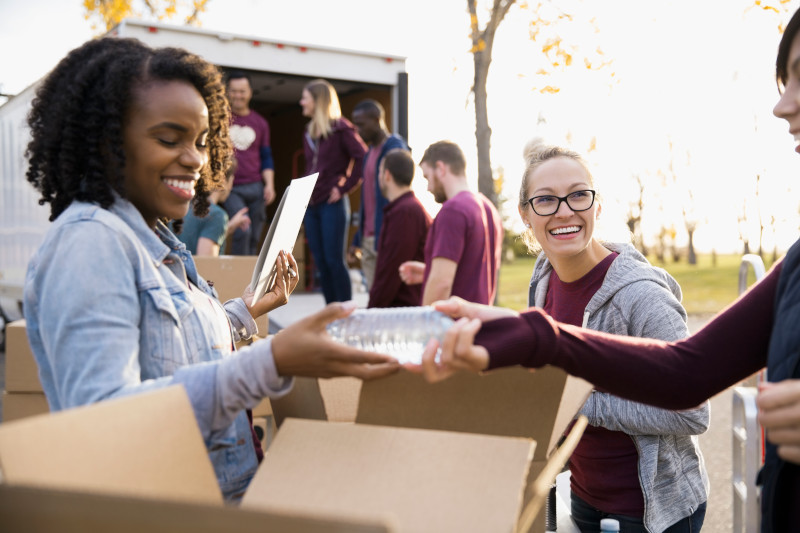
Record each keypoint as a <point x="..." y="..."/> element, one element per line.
<point x="636" y="463"/>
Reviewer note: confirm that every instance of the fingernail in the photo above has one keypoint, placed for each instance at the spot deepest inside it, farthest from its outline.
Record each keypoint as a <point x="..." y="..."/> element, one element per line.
<point x="350" y="304"/>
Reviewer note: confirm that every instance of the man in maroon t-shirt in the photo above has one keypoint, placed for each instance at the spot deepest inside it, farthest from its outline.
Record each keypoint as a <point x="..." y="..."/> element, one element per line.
<point x="403" y="233"/>
<point x="462" y="252"/>
<point x="254" y="180"/>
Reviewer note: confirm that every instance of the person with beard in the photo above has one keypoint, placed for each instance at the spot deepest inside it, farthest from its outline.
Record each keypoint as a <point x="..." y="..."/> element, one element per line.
<point x="462" y="252"/>
<point x="402" y="238"/>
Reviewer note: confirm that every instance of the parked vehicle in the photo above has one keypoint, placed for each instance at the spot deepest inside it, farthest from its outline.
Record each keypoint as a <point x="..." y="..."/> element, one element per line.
<point x="279" y="70"/>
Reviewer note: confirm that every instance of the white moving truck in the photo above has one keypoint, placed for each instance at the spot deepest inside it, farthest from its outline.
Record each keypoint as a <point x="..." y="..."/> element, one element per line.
<point x="278" y="69"/>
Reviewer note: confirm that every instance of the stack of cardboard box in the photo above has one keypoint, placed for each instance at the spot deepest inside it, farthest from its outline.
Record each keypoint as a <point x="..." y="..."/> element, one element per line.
<point x="23" y="395"/>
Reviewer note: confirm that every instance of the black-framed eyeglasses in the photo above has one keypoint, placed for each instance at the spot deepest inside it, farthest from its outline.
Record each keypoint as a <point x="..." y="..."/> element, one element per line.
<point x="548" y="204"/>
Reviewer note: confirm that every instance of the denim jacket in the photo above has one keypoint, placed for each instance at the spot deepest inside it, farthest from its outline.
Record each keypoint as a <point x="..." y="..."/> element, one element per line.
<point x="107" y="316"/>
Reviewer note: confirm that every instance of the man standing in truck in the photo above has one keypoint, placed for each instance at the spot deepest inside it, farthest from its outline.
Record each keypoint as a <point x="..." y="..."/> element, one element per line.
<point x="254" y="181"/>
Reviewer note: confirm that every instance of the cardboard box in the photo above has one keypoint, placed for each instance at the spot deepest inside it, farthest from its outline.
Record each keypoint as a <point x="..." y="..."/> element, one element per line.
<point x="146" y="445"/>
<point x="430" y="481"/>
<point x="128" y="465"/>
<point x="512" y="402"/>
<point x="515" y="401"/>
<point x="17" y="405"/>
<point x="22" y="373"/>
<point x="39" y="510"/>
<point x="230" y="274"/>
<point x="334" y="399"/>
<point x="264" y="408"/>
<point x="265" y="430"/>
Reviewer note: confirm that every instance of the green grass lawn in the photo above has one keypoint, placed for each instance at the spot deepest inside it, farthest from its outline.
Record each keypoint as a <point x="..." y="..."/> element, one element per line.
<point x="706" y="288"/>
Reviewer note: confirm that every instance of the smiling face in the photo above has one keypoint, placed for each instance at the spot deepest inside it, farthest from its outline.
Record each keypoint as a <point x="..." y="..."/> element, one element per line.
<point x="164" y="140"/>
<point x="566" y="233"/>
<point x="788" y="106"/>
<point x="239" y="95"/>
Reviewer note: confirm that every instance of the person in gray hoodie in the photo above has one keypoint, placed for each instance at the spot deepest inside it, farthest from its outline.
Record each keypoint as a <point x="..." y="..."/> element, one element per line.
<point x="637" y="463"/>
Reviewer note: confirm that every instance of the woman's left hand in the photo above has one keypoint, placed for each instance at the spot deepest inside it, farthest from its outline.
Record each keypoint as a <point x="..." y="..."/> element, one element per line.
<point x="779" y="414"/>
<point x="286" y="279"/>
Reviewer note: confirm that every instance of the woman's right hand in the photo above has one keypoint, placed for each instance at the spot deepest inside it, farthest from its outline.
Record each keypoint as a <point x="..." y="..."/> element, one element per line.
<point x="412" y="272"/>
<point x="305" y="349"/>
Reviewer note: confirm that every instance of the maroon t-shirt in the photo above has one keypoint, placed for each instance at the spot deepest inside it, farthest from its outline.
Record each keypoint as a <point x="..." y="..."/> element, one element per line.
<point x="604" y="465"/>
<point x="369" y="192"/>
<point x="402" y="238"/>
<point x="467" y="230"/>
<point x="249" y="134"/>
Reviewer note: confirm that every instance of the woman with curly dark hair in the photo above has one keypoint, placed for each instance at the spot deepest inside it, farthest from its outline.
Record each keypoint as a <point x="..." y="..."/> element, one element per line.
<point x="124" y="138"/>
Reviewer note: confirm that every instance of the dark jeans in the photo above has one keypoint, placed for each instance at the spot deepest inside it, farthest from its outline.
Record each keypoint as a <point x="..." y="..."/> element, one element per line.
<point x="587" y="518"/>
<point x="326" y="229"/>
<point x="251" y="196"/>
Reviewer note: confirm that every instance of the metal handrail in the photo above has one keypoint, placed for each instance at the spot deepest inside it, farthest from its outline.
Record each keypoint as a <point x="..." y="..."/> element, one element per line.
<point x="748" y="436"/>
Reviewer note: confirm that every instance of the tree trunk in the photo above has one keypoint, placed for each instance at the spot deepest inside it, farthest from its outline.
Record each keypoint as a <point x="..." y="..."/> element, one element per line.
<point x="482" y="42"/>
<point x="483" y="133"/>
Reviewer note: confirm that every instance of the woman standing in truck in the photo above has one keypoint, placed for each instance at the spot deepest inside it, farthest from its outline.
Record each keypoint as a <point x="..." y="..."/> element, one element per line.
<point x="333" y="148"/>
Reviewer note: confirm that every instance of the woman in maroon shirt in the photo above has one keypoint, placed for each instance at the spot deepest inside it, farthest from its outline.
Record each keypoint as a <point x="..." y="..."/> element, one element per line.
<point x="759" y="329"/>
<point x="333" y="148"/>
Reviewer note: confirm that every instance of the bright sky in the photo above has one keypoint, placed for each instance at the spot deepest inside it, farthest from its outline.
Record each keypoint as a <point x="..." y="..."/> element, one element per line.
<point x="697" y="74"/>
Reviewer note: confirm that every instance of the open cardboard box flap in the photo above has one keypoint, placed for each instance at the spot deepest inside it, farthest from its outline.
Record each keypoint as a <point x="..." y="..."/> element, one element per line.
<point x="146" y="445"/>
<point x="427" y="480"/>
<point x="513" y="402"/>
<point x="131" y="464"/>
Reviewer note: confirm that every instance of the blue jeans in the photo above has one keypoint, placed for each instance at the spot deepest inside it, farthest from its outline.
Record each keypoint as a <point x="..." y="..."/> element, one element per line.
<point x="251" y="196"/>
<point x="326" y="230"/>
<point x="587" y="518"/>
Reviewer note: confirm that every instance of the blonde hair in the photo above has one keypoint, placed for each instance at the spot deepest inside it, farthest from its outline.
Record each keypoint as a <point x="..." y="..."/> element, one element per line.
<point x="326" y="108"/>
<point x="535" y="154"/>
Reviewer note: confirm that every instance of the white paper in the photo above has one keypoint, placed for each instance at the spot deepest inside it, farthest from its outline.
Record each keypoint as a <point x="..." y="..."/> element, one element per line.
<point x="282" y="233"/>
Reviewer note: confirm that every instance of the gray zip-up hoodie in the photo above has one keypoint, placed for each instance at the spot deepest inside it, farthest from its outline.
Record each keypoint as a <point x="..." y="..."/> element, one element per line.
<point x="640" y="300"/>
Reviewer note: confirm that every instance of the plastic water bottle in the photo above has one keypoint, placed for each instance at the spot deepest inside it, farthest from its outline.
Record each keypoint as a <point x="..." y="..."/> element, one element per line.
<point x="401" y="332"/>
<point x="609" y="525"/>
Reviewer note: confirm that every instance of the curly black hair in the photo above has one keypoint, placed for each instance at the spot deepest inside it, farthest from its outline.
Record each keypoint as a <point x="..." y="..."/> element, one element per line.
<point x="78" y="114"/>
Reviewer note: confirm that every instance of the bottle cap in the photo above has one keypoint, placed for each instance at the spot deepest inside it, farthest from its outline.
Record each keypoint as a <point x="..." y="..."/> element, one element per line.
<point x="609" y="525"/>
